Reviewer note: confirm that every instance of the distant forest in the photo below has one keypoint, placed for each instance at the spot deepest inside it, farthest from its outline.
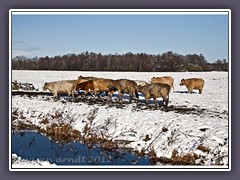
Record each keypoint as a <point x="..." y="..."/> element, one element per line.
<point x="90" y="61"/>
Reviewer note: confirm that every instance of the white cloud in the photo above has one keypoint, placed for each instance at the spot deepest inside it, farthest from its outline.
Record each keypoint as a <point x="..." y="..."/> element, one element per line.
<point x="22" y="53"/>
<point x="22" y="48"/>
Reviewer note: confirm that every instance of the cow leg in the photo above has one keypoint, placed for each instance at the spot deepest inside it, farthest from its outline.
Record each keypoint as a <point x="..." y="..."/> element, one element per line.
<point x="73" y="93"/>
<point x="91" y="93"/>
<point x="166" y="101"/>
<point x="120" y="96"/>
<point x="55" y="94"/>
<point x="155" y="102"/>
<point x="130" y="100"/>
<point x="69" y="93"/>
<point x="110" y="96"/>
<point x="190" y="90"/>
<point x="146" y="101"/>
<point x="97" y="93"/>
<point x="200" y="91"/>
<point x="136" y="94"/>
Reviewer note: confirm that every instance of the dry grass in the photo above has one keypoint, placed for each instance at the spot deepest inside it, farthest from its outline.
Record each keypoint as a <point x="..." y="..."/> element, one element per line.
<point x="62" y="133"/>
<point x="203" y="148"/>
<point x="186" y="159"/>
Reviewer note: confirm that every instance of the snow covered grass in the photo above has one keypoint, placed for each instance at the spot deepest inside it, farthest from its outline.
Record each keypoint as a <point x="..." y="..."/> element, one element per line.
<point x="205" y="125"/>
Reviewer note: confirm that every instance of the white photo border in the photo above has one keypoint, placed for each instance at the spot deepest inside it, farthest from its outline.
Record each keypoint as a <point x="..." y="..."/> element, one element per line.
<point x="122" y="12"/>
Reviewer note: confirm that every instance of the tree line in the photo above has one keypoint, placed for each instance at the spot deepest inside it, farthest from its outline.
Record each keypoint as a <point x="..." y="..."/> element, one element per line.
<point x="90" y="61"/>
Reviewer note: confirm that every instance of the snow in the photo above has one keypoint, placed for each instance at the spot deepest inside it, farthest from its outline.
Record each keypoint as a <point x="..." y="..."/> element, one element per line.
<point x="184" y="132"/>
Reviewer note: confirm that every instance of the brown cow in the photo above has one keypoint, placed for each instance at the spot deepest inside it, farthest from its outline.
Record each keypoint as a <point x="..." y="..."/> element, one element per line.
<point x="101" y="85"/>
<point x="193" y="83"/>
<point x="124" y="86"/>
<point x="164" y="79"/>
<point x="82" y="79"/>
<point x="60" y="87"/>
<point x="85" y="86"/>
<point x="154" y="91"/>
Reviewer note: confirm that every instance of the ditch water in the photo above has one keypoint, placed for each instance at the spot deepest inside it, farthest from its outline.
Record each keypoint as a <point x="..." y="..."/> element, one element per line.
<point x="32" y="145"/>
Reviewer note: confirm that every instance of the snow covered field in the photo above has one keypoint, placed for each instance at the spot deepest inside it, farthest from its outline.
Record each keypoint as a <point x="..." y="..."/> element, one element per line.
<point x="206" y="123"/>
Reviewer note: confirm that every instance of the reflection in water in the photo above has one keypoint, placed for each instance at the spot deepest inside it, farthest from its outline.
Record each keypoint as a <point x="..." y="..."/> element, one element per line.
<point x="32" y="145"/>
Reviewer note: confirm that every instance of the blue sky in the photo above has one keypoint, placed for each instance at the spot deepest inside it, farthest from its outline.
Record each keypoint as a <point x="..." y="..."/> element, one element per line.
<point x="52" y="35"/>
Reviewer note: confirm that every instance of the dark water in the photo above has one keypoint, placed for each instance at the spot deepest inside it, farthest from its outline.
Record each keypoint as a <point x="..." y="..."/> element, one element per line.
<point x="32" y="145"/>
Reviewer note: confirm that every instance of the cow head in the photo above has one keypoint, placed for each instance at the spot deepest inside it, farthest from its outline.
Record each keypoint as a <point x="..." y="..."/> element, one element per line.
<point x="139" y="88"/>
<point x="45" y="86"/>
<point x="182" y="82"/>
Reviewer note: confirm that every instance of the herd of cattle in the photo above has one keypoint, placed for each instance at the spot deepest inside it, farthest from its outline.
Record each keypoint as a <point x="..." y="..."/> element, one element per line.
<point x="158" y="87"/>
